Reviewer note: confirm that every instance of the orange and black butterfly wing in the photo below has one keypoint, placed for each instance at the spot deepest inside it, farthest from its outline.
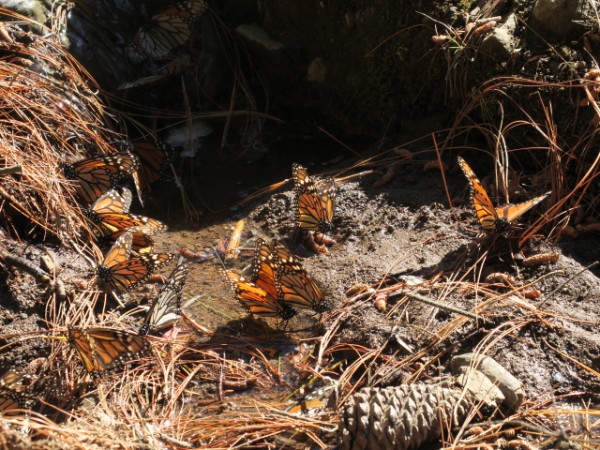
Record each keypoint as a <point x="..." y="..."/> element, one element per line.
<point x="11" y="402"/>
<point x="128" y="274"/>
<point x="103" y="349"/>
<point x="314" y="209"/>
<point x="141" y="228"/>
<point x="119" y="251"/>
<point x="167" y="306"/>
<point x="159" y="39"/>
<point x="327" y="194"/>
<point x="172" y="18"/>
<point x="482" y="204"/>
<point x="168" y="29"/>
<point x="82" y="343"/>
<point x="117" y="254"/>
<point x="256" y="300"/>
<point x="114" y="225"/>
<point x="155" y="162"/>
<point x="264" y="270"/>
<point x="95" y="176"/>
<point x="113" y="201"/>
<point x="115" y="348"/>
<point x="510" y="213"/>
<point x="141" y="240"/>
<point x="297" y="288"/>
<point x="121" y="273"/>
<point x="12" y="396"/>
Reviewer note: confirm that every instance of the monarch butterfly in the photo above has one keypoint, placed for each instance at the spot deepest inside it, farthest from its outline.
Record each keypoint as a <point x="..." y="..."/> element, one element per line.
<point x="104" y="349"/>
<point x="297" y="288"/>
<point x="97" y="175"/>
<point x="120" y="273"/>
<point x="111" y="219"/>
<point x="314" y="208"/>
<point x="167" y="306"/>
<point x="168" y="30"/>
<point x="11" y="396"/>
<point x="491" y="218"/>
<point x="155" y="160"/>
<point x="256" y="300"/>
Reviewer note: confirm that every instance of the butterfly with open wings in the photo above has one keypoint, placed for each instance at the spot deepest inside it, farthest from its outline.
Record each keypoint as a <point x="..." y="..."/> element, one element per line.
<point x="120" y="273"/>
<point x="96" y="176"/>
<point x="490" y="218"/>
<point x="107" y="349"/>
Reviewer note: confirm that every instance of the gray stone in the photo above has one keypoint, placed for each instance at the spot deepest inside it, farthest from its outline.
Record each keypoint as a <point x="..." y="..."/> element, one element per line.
<point x="500" y="42"/>
<point x="317" y="70"/>
<point x="556" y="17"/>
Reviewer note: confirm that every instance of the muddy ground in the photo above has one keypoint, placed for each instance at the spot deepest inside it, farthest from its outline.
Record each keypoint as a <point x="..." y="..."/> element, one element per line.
<point x="402" y="232"/>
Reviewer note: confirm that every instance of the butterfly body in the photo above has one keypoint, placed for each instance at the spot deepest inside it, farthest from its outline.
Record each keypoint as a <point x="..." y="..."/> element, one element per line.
<point x="314" y="207"/>
<point x="491" y="218"/>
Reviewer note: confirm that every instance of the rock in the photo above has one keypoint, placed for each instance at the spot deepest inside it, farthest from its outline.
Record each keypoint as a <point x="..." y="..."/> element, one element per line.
<point x="254" y="33"/>
<point x="500" y="43"/>
<point x="555" y="17"/>
<point x="511" y="389"/>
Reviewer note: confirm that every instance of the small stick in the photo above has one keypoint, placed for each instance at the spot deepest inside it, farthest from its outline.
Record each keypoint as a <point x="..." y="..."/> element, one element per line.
<point x="11" y="170"/>
<point x="56" y="286"/>
<point x="549" y="295"/>
<point x="432" y="302"/>
<point x="26" y="266"/>
<point x="171" y="440"/>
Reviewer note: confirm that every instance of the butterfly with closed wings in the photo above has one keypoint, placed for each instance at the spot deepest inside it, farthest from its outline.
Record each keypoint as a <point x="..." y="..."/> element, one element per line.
<point x="314" y="207"/>
<point x="297" y="288"/>
<point x="120" y="273"/>
<point x="110" y="217"/>
<point x="155" y="161"/>
<point x="167" y="30"/>
<point x="95" y="176"/>
<point x="490" y="218"/>
<point x="166" y="308"/>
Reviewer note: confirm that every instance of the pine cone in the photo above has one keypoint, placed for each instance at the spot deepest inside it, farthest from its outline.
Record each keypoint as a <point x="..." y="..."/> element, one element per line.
<point x="400" y="417"/>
